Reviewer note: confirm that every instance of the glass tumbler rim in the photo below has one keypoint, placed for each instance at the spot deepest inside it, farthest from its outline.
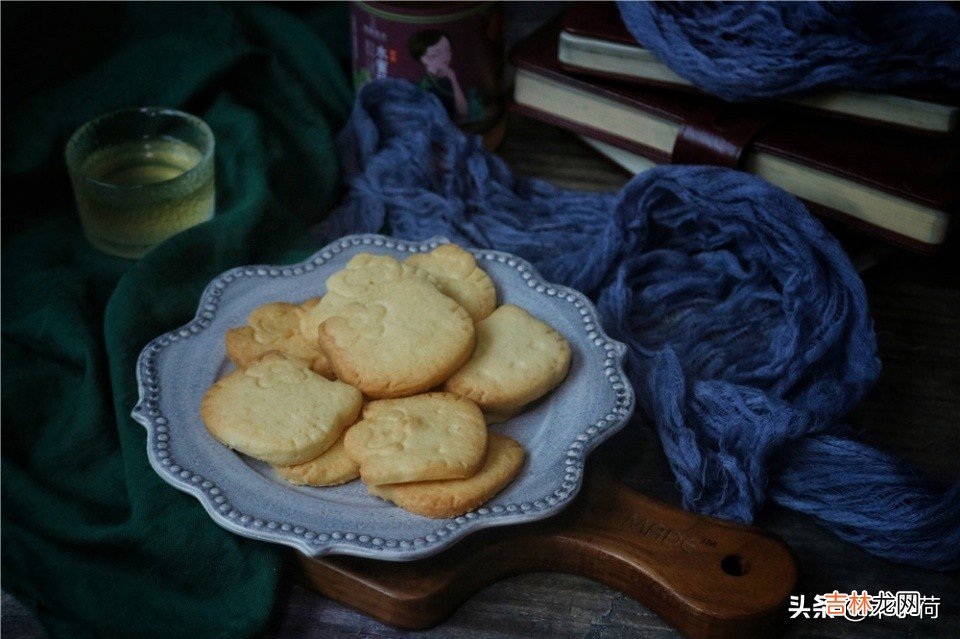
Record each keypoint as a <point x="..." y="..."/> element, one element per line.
<point x="73" y="161"/>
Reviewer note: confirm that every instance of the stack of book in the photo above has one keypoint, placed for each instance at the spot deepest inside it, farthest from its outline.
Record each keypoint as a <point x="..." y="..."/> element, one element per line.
<point x="885" y="164"/>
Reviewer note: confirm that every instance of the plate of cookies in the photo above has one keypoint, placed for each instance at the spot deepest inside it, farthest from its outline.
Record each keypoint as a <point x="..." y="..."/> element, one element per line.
<point x="383" y="398"/>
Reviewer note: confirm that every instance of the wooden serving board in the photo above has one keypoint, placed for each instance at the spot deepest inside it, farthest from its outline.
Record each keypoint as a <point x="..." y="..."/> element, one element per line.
<point x="709" y="578"/>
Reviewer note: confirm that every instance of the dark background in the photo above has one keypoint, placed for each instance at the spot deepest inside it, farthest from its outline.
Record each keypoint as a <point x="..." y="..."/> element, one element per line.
<point x="913" y="411"/>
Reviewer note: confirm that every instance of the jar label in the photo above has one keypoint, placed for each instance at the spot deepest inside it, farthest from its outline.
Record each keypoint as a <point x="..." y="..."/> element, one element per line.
<point x="453" y="50"/>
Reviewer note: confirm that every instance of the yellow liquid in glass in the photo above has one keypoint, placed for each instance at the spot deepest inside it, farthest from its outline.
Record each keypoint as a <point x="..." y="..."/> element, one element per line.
<point x="125" y="220"/>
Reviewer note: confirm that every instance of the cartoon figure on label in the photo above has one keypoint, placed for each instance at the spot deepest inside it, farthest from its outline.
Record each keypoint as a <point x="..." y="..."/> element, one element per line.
<point x="432" y="49"/>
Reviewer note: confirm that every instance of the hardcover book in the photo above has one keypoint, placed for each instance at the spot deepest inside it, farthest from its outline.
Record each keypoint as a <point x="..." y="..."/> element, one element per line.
<point x="594" y="41"/>
<point x="896" y="186"/>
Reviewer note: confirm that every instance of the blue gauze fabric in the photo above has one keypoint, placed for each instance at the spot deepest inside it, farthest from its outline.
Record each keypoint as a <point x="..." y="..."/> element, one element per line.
<point x="745" y="50"/>
<point x="748" y="329"/>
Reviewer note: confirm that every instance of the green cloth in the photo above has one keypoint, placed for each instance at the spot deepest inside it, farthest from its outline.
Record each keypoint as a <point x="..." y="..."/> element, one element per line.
<point x="93" y="540"/>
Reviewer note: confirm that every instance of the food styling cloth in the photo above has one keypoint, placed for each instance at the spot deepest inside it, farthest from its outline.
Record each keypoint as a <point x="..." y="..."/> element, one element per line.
<point x="93" y="540"/>
<point x="749" y="331"/>
<point x="746" y="50"/>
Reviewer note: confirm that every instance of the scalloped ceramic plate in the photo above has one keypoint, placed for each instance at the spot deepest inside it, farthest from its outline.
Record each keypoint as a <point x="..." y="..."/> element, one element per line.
<point x="244" y="496"/>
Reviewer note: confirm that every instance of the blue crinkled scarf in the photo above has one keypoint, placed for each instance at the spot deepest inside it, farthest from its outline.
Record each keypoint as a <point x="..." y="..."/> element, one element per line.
<point x="748" y="328"/>
<point x="745" y="50"/>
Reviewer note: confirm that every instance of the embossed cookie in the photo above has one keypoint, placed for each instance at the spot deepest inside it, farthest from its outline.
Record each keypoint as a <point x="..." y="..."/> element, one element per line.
<point x="332" y="468"/>
<point x="419" y="438"/>
<point x="364" y="276"/>
<point x="278" y="410"/>
<point x="453" y="497"/>
<point x="366" y="272"/>
<point x="458" y="276"/>
<point x="276" y="327"/>
<point x="517" y="359"/>
<point x="405" y="340"/>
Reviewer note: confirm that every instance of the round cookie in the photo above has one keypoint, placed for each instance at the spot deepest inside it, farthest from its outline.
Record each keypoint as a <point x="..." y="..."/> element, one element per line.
<point x="276" y="327"/>
<point x="332" y="468"/>
<point x="419" y="438"/>
<point x="458" y="276"/>
<point x="453" y="497"/>
<point x="363" y="277"/>
<point x="278" y="410"/>
<point x="406" y="339"/>
<point x="517" y="359"/>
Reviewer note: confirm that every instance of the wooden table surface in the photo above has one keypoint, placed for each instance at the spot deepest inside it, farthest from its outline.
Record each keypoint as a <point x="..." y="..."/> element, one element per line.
<point x="913" y="411"/>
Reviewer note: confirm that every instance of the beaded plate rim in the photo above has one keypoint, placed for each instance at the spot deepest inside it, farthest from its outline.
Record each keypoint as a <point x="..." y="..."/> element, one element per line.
<point x="317" y="543"/>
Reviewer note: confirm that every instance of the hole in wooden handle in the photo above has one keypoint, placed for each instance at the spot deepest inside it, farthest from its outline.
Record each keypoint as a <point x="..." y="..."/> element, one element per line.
<point x="735" y="565"/>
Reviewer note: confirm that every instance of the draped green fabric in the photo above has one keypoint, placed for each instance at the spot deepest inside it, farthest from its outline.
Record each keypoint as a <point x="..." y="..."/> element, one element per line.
<point x="93" y="539"/>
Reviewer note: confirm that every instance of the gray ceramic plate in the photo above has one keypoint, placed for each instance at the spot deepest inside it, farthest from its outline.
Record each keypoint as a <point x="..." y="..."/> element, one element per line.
<point x="244" y="496"/>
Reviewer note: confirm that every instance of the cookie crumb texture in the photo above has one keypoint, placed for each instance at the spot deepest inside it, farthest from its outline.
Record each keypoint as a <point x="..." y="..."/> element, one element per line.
<point x="458" y="277"/>
<point x="276" y="327"/>
<point x="419" y="438"/>
<point x="332" y="468"/>
<point x="406" y="340"/>
<point x="450" y="498"/>
<point x="517" y="360"/>
<point x="363" y="278"/>
<point x="278" y="410"/>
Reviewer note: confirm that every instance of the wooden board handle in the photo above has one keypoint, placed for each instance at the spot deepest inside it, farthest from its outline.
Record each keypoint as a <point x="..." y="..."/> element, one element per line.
<point x="709" y="578"/>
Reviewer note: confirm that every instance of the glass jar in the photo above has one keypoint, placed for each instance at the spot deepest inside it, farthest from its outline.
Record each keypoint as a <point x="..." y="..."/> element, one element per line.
<point x="452" y="49"/>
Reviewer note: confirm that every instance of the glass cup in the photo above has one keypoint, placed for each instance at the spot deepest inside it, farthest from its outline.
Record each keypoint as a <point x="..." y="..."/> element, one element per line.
<point x="140" y="176"/>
